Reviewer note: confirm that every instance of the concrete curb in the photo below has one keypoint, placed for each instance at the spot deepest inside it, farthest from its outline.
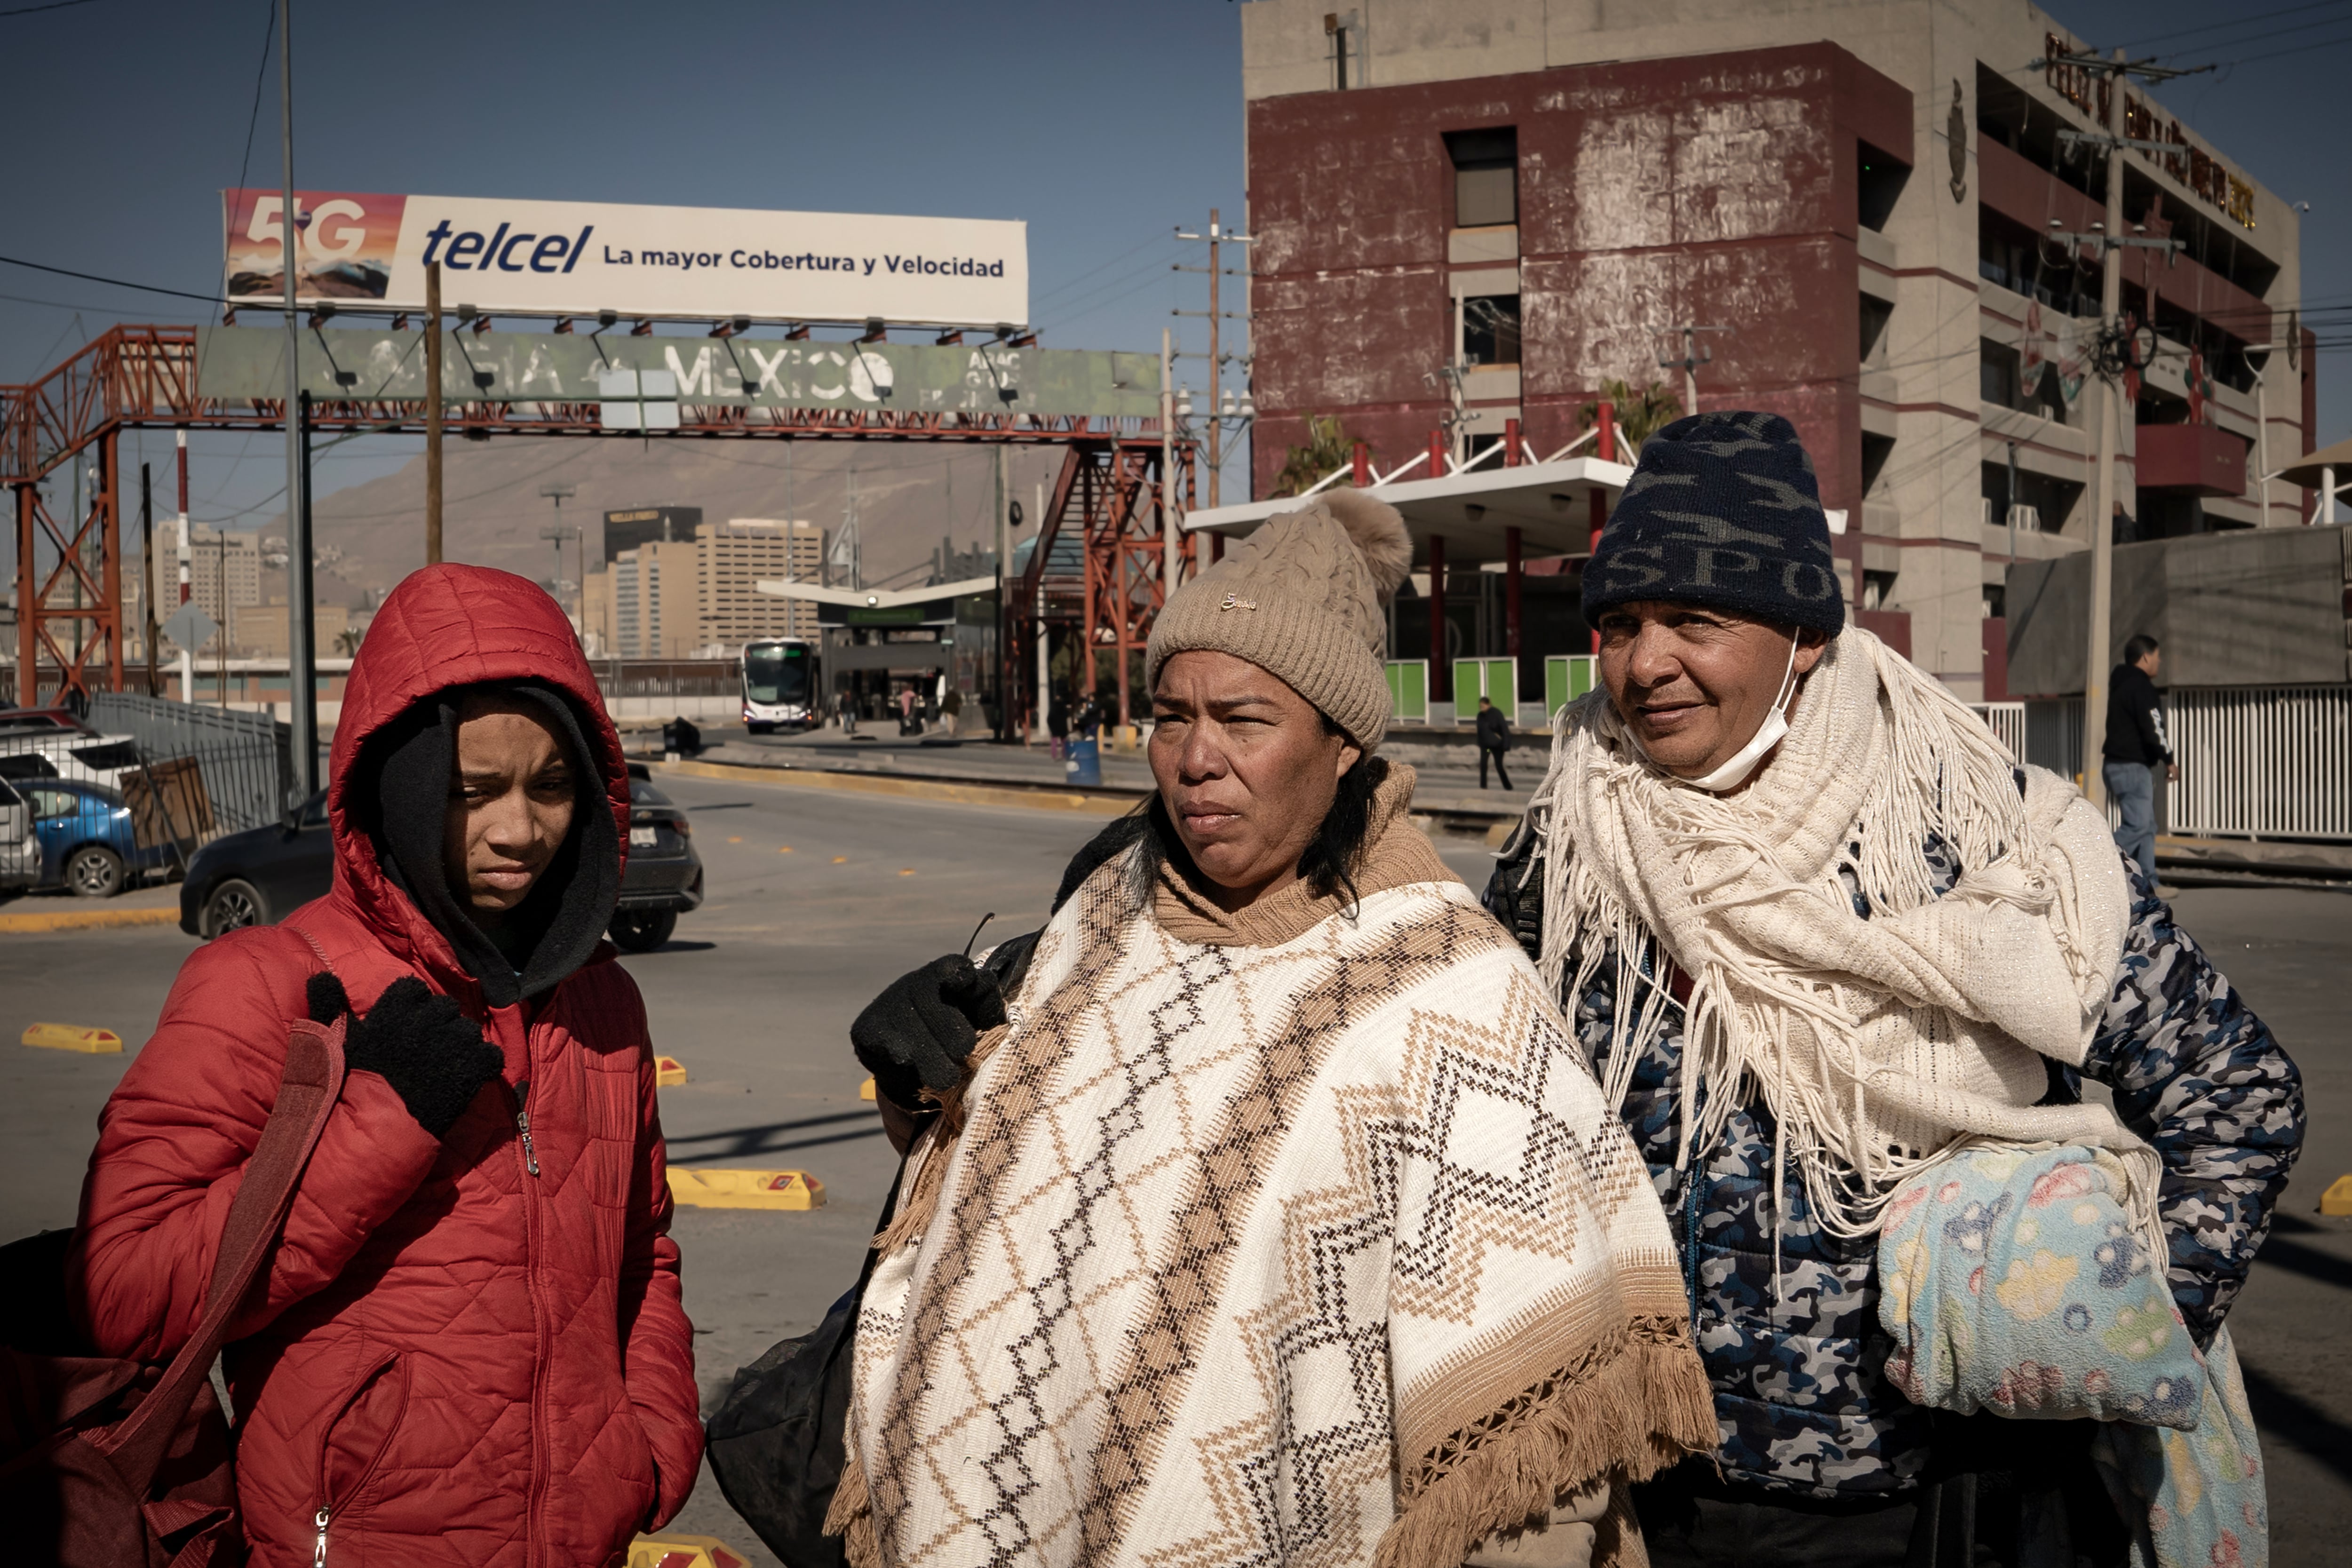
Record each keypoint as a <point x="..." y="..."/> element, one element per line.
<point x="1039" y="798"/>
<point x="79" y="920"/>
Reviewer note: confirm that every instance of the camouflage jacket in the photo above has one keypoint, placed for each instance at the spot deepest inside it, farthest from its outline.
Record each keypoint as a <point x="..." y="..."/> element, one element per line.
<point x="1799" y="1396"/>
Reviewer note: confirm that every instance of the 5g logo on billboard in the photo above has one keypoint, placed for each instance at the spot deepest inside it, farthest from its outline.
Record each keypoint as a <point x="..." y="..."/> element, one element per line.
<point x="336" y="227"/>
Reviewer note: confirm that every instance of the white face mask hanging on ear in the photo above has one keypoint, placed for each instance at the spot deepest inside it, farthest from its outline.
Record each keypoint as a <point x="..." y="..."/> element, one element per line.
<point x="1735" y="772"/>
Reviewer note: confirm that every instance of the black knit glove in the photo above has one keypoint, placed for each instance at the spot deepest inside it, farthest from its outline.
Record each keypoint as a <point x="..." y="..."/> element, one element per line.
<point x="419" y="1042"/>
<point x="916" y="1034"/>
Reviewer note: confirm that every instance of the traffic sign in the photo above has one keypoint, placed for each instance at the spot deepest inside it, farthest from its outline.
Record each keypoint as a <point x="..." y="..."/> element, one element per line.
<point x="189" y="626"/>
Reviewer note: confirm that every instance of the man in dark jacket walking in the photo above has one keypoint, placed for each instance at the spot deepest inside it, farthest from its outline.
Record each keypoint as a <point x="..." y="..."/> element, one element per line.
<point x="2137" y="743"/>
<point x="1494" y="736"/>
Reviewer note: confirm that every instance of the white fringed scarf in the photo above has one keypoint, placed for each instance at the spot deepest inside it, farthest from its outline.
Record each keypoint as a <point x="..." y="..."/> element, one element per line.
<point x="1879" y="1045"/>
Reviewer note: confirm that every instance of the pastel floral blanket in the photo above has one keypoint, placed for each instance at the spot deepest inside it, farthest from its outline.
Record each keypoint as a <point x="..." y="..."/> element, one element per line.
<point x="2015" y="1282"/>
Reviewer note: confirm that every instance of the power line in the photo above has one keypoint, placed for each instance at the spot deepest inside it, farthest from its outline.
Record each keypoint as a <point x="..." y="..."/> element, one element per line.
<point x="52" y="6"/>
<point x="2239" y="22"/>
<point x="112" y="282"/>
<point x="259" y="77"/>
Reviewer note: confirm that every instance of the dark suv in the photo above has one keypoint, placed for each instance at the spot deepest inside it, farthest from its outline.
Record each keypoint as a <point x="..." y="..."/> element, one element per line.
<point x="260" y="876"/>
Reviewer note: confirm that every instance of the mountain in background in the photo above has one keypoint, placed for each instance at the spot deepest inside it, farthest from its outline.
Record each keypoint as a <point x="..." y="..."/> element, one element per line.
<point x="911" y="497"/>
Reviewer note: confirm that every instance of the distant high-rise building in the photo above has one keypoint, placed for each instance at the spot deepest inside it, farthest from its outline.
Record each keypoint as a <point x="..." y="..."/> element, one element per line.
<point x="224" y="574"/>
<point x="629" y="527"/>
<point x="730" y="560"/>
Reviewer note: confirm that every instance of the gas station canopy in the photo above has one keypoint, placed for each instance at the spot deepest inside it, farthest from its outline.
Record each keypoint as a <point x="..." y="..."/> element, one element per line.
<point x="1549" y="503"/>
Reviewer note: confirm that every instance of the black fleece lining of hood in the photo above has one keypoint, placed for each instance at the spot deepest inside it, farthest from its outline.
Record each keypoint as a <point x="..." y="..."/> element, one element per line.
<point x="406" y="773"/>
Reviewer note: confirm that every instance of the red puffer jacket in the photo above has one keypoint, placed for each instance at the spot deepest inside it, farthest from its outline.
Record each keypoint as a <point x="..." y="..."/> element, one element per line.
<point x="455" y="1360"/>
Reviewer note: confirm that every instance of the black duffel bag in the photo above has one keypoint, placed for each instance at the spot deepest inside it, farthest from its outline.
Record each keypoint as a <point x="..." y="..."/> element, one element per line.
<point x="776" y="1441"/>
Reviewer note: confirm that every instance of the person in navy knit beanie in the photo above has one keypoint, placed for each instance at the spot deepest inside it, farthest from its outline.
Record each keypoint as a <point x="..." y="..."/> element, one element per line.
<point x="1721" y="510"/>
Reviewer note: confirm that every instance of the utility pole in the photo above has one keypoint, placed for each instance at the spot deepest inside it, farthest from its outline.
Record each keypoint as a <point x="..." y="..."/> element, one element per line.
<point x="1693" y="357"/>
<point x="559" y="494"/>
<point x="2113" y="356"/>
<point x="147" y="567"/>
<point x="1004" y="617"/>
<point x="187" y="569"/>
<point x="302" y="654"/>
<point x="1168" y="528"/>
<point x="433" y="414"/>
<point x="299" y="628"/>
<point x="1218" y="234"/>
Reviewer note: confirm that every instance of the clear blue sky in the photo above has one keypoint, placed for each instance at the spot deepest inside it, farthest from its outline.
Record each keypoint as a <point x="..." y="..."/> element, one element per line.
<point x="1102" y="125"/>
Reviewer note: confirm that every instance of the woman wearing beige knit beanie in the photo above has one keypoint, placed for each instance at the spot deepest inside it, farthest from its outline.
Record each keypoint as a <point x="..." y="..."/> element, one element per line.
<point x="1258" y="1209"/>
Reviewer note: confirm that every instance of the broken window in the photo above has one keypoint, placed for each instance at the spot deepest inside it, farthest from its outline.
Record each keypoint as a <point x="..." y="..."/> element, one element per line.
<point x="1486" y="176"/>
<point x="1490" y="330"/>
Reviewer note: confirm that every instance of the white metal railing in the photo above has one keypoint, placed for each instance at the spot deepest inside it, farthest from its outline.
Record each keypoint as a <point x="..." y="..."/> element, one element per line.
<point x="2267" y="761"/>
<point x="2008" y="722"/>
<point x="2262" y="761"/>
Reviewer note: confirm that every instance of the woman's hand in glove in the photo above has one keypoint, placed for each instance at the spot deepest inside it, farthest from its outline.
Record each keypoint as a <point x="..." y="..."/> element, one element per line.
<point x="419" y="1042"/>
<point x="918" y="1033"/>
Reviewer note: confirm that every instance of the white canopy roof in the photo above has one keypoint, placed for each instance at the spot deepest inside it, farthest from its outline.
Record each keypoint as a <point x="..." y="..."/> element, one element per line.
<point x="1549" y="503"/>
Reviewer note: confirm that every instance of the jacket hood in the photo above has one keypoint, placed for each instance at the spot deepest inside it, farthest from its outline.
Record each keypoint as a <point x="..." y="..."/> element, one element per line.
<point x="442" y="627"/>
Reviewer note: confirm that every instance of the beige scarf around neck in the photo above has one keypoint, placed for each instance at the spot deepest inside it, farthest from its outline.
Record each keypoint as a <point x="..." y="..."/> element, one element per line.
<point x="1879" y="1045"/>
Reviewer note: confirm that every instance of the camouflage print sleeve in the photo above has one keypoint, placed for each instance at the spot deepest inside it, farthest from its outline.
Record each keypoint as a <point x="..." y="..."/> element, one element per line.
<point x="1515" y="892"/>
<point x="2201" y="1078"/>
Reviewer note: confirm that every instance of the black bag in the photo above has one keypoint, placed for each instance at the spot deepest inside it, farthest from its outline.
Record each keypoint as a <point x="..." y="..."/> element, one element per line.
<point x="775" y="1442"/>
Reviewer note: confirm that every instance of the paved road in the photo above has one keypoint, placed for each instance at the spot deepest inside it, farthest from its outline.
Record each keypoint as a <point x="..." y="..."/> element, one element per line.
<point x="818" y="897"/>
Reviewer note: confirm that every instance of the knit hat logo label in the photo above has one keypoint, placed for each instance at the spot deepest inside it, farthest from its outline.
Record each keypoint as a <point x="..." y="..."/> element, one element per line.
<point x="1234" y="602"/>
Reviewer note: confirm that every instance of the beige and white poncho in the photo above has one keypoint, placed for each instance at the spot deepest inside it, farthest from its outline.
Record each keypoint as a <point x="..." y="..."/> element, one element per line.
<point x="1298" y="1236"/>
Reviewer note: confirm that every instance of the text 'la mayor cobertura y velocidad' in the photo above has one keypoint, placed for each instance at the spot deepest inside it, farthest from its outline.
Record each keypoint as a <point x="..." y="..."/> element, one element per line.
<point x="470" y="251"/>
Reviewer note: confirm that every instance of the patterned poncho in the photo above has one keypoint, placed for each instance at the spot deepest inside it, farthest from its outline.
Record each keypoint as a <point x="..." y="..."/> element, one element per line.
<point x="1299" y="1236"/>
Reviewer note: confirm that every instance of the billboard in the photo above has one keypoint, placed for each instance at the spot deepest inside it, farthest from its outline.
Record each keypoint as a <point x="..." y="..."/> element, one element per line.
<point x="622" y="371"/>
<point x="575" y="258"/>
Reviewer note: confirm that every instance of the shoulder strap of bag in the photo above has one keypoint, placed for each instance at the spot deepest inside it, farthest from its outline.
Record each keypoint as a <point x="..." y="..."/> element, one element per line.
<point x="306" y="1098"/>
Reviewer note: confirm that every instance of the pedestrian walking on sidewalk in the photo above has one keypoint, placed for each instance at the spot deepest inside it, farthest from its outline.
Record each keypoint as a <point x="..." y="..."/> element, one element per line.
<point x="1263" y="1211"/>
<point x="2137" y="744"/>
<point x="468" y="1346"/>
<point x="1494" y="739"/>
<point x="1836" y="956"/>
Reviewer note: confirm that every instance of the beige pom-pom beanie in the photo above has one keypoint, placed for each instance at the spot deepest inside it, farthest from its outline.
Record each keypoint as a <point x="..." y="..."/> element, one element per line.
<point x="1305" y="598"/>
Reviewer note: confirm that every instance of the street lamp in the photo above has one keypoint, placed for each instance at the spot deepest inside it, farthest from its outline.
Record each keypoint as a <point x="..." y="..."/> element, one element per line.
<point x="559" y="494"/>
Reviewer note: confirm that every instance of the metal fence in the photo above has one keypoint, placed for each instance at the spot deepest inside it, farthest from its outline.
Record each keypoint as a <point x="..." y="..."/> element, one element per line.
<point x="244" y="760"/>
<point x="668" y="678"/>
<point x="2262" y="761"/>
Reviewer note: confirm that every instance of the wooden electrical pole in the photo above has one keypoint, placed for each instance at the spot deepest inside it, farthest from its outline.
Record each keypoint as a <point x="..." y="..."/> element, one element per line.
<point x="433" y="414"/>
<point x="2100" y="632"/>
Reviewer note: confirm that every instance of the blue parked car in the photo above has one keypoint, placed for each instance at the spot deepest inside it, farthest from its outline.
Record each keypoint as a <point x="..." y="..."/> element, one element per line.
<point x="84" y="832"/>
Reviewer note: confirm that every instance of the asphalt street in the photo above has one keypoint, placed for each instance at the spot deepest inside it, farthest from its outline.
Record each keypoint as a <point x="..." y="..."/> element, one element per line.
<point x="817" y="897"/>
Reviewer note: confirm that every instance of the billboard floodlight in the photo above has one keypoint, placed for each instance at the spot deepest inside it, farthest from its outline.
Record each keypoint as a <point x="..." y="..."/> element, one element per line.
<point x="606" y="317"/>
<point x="465" y="314"/>
<point x="1003" y="329"/>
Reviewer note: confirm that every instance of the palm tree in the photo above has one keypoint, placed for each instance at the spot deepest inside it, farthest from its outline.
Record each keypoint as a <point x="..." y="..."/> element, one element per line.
<point x="347" y="642"/>
<point x="1640" y="414"/>
<point x="1328" y="447"/>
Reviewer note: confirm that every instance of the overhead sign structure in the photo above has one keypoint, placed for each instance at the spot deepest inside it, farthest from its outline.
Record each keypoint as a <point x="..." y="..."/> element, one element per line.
<point x="336" y="362"/>
<point x="576" y="259"/>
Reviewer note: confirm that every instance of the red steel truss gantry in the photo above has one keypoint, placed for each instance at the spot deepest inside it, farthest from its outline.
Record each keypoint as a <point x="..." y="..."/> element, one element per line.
<point x="1109" y="496"/>
<point x="70" y="632"/>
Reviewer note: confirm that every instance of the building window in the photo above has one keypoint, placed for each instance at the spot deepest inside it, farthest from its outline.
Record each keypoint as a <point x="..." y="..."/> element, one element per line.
<point x="1490" y="330"/>
<point x="1486" y="176"/>
<point x="1996" y="373"/>
<point x="1877" y="590"/>
<point x="1879" y="179"/>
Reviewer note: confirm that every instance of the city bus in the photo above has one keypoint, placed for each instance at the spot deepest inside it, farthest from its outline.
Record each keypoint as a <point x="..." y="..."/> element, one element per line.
<point x="780" y="684"/>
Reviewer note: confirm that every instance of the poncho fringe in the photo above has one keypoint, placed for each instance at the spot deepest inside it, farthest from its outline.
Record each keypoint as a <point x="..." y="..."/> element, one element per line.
<point x="1625" y="1411"/>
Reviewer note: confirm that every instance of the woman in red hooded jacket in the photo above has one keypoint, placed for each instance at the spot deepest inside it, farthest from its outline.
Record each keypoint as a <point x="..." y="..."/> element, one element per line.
<point x="468" y="1347"/>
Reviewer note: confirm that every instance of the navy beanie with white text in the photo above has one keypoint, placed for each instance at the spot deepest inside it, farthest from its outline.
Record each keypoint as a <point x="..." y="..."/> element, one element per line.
<point x="1722" y="511"/>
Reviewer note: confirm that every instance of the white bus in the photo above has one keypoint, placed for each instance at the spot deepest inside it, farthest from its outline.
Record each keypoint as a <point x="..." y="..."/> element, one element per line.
<point x="780" y="684"/>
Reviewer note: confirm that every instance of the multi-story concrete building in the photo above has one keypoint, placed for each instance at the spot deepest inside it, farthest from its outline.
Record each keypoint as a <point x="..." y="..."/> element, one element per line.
<point x="689" y="598"/>
<point x="1530" y="199"/>
<point x="223" y="577"/>
<point x="731" y="557"/>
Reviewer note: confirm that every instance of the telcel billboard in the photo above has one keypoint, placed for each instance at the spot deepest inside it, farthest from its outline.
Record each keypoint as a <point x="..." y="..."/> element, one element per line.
<point x="573" y="258"/>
